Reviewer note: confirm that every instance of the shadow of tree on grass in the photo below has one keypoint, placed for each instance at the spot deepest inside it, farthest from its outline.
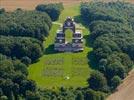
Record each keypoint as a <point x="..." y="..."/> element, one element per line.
<point x="88" y="41"/>
<point x="92" y="60"/>
<point x="50" y="50"/>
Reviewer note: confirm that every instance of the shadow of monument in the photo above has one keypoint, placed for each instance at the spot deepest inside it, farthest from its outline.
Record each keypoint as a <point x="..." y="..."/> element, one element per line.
<point x="50" y="50"/>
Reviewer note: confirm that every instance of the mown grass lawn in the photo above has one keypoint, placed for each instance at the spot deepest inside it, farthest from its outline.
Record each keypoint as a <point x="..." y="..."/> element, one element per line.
<point x="53" y="69"/>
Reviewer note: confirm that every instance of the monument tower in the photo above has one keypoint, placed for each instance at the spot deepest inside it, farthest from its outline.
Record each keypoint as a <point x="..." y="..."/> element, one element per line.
<point x="77" y="39"/>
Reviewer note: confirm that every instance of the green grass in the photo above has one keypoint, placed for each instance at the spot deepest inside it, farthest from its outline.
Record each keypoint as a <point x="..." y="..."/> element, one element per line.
<point x="68" y="35"/>
<point x="70" y="10"/>
<point x="52" y="68"/>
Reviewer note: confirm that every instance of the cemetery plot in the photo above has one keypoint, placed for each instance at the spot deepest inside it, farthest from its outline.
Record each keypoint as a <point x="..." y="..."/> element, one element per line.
<point x="79" y="71"/>
<point x="53" y="67"/>
<point x="79" y="61"/>
<point x="53" y="71"/>
<point x="62" y="69"/>
<point x="54" y="61"/>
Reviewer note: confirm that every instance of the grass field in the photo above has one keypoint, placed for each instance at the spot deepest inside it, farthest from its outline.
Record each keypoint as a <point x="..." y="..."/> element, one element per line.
<point x="52" y="69"/>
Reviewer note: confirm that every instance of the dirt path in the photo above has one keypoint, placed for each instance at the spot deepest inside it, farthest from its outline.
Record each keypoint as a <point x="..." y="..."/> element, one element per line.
<point x="125" y="90"/>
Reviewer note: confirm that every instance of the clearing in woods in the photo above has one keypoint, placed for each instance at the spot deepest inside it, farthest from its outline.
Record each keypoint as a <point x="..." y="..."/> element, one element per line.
<point x="75" y="66"/>
<point x="62" y="69"/>
<point x="57" y="69"/>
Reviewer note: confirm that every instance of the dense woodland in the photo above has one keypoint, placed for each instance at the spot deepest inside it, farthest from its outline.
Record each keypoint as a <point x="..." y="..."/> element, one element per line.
<point x="13" y="79"/>
<point x="21" y="47"/>
<point x="112" y="38"/>
<point x="25" y="23"/>
<point x="53" y="10"/>
<point x="21" y="43"/>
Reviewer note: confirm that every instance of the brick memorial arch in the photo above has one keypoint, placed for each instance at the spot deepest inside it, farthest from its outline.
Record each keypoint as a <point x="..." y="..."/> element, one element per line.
<point x="69" y="24"/>
<point x="77" y="39"/>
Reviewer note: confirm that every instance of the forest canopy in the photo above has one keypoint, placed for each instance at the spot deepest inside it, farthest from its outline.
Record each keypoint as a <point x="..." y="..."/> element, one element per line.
<point x="21" y="43"/>
<point x="52" y="9"/>
<point x="20" y="47"/>
<point x="26" y="24"/>
<point x="112" y="39"/>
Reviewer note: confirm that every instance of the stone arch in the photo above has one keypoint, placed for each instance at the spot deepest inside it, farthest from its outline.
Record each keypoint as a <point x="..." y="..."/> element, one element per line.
<point x="77" y="39"/>
<point x="69" y="24"/>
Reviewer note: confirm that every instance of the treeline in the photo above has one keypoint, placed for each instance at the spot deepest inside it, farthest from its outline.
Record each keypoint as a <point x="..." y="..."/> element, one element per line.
<point x="23" y="48"/>
<point x="112" y="38"/>
<point x="71" y="94"/>
<point x="21" y="43"/>
<point x="25" y="23"/>
<point x="13" y="79"/>
<point x="14" y="84"/>
<point x="2" y="10"/>
<point x="53" y="10"/>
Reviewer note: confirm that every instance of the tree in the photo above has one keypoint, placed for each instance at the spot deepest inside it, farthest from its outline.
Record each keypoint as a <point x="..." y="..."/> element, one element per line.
<point x="32" y="96"/>
<point x="53" y="10"/>
<point x="13" y="80"/>
<point x="97" y="81"/>
<point x="2" y="10"/>
<point x="123" y="58"/>
<point x="26" y="24"/>
<point x="3" y="98"/>
<point x="27" y="85"/>
<point x="7" y="89"/>
<point x="131" y="51"/>
<point x="16" y="91"/>
<point x="112" y="36"/>
<point x="79" y="96"/>
<point x="115" y="68"/>
<point x="102" y="65"/>
<point x="26" y="60"/>
<point x="99" y="28"/>
<point x="20" y="47"/>
<point x="18" y="66"/>
<point x="93" y="95"/>
<point x="115" y="81"/>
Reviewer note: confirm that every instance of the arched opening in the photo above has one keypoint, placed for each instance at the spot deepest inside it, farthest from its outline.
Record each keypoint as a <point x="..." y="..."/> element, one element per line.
<point x="68" y="35"/>
<point x="72" y="39"/>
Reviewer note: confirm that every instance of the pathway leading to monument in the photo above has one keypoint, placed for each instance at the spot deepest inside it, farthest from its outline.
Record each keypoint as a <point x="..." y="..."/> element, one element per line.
<point x="62" y="69"/>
